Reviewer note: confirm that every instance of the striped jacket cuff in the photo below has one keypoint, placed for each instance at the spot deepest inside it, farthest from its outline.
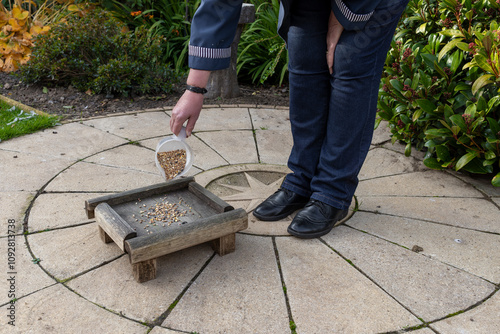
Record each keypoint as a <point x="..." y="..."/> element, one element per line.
<point x="349" y="15"/>
<point x="210" y="53"/>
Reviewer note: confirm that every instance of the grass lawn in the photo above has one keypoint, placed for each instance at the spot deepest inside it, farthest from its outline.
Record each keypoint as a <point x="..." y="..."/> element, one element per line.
<point x="15" y="122"/>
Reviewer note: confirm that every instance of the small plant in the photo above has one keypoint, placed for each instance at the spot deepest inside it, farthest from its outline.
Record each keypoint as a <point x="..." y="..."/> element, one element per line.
<point x="21" y="22"/>
<point x="96" y="53"/>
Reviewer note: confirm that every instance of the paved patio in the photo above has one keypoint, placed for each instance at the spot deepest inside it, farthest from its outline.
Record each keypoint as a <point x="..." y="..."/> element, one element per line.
<point x="420" y="252"/>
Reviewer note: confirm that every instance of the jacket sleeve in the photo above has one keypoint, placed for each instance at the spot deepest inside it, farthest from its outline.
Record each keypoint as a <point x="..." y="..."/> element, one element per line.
<point x="353" y="14"/>
<point x="212" y="31"/>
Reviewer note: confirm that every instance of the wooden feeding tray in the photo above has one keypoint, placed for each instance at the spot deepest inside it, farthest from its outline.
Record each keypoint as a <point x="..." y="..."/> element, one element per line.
<point x="160" y="219"/>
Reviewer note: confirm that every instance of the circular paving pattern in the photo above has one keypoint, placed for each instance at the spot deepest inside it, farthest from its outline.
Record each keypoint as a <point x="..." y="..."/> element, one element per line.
<point x="419" y="254"/>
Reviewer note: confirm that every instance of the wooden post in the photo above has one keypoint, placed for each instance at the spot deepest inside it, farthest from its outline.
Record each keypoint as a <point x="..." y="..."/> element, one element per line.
<point x="225" y="245"/>
<point x="104" y="236"/>
<point x="224" y="83"/>
<point x="144" y="271"/>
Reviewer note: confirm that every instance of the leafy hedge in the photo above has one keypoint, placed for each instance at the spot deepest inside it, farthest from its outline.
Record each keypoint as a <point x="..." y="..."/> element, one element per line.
<point x="96" y="52"/>
<point x="440" y="88"/>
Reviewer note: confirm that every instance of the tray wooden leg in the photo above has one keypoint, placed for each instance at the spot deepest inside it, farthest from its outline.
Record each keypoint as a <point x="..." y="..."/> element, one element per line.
<point x="104" y="236"/>
<point x="225" y="245"/>
<point x="144" y="271"/>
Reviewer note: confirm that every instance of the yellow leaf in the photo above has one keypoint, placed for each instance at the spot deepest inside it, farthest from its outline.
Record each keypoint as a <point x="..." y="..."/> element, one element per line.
<point x="15" y="25"/>
<point x="1" y="64"/>
<point x="74" y="8"/>
<point x="19" y="13"/>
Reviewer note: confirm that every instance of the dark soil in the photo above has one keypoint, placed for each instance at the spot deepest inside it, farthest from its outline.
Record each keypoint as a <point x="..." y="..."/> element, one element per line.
<point x="71" y="104"/>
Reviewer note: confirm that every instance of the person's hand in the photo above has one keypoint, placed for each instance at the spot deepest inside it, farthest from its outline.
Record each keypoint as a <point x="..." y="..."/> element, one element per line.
<point x="332" y="38"/>
<point x="187" y="108"/>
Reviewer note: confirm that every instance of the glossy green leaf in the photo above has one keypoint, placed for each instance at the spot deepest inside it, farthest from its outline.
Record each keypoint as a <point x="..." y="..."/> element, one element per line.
<point x="421" y="28"/>
<point x="496" y="180"/>
<point x="416" y="115"/>
<point x="459" y="120"/>
<point x="426" y="105"/>
<point x="452" y="33"/>
<point x="489" y="155"/>
<point x="482" y="62"/>
<point x="494" y="125"/>
<point x="452" y="44"/>
<point x="408" y="150"/>
<point x="432" y="163"/>
<point x="397" y="85"/>
<point x="443" y="153"/>
<point x="477" y="167"/>
<point x="464" y="160"/>
<point x="481" y="82"/>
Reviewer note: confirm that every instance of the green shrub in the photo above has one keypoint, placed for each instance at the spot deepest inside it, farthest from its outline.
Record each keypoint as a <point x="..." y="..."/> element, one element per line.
<point x="441" y="83"/>
<point x="96" y="52"/>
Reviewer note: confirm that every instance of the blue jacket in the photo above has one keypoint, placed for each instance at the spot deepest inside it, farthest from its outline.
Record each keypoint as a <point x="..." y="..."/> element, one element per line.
<point x="214" y="26"/>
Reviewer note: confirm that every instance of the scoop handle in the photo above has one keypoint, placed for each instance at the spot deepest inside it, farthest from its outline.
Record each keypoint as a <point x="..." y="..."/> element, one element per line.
<point x="182" y="134"/>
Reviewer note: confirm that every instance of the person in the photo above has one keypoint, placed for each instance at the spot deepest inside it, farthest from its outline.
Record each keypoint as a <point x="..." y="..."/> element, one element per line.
<point x="337" y="50"/>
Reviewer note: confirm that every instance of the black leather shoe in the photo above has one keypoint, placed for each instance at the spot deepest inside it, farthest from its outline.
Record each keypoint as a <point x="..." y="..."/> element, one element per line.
<point x="279" y="205"/>
<point x="315" y="220"/>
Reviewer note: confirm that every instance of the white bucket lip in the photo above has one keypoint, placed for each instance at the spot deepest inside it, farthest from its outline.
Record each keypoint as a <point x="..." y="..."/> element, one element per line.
<point x="178" y="143"/>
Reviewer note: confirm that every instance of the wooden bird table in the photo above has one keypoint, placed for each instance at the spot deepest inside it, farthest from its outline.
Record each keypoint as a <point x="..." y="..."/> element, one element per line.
<point x="160" y="219"/>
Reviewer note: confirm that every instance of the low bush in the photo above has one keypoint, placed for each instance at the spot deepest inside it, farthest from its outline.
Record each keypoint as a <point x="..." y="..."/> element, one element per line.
<point x="96" y="53"/>
<point x="440" y="89"/>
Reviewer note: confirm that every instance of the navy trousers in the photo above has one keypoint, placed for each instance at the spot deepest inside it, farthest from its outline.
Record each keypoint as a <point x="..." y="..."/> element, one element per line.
<point x="332" y="116"/>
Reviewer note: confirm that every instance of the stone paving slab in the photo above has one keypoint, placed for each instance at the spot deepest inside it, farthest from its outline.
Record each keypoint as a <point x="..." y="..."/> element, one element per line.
<point x="28" y="276"/>
<point x="71" y="142"/>
<point x="127" y="157"/>
<point x="240" y="292"/>
<point x="274" y="146"/>
<point x="483" y="319"/>
<point x="67" y="252"/>
<point x="430" y="289"/>
<point x="382" y="162"/>
<point x="223" y="119"/>
<point x="114" y="287"/>
<point x="271" y="119"/>
<point x="326" y="293"/>
<point x="134" y="127"/>
<point x="161" y="330"/>
<point x="13" y="205"/>
<point x="472" y="213"/>
<point x="57" y="210"/>
<point x="458" y="247"/>
<point x="481" y="183"/>
<point x="428" y="183"/>
<point x="398" y="147"/>
<point x="236" y="147"/>
<point x="89" y="177"/>
<point x="36" y="170"/>
<point x="58" y="310"/>
<point x="382" y="134"/>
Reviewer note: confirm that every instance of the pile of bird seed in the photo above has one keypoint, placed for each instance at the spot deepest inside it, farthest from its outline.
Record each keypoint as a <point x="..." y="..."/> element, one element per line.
<point x="172" y="162"/>
<point x="162" y="213"/>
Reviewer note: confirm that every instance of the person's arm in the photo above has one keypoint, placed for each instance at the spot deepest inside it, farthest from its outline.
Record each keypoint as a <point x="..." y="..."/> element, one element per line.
<point x="212" y="31"/>
<point x="353" y="14"/>
<point x="189" y="106"/>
